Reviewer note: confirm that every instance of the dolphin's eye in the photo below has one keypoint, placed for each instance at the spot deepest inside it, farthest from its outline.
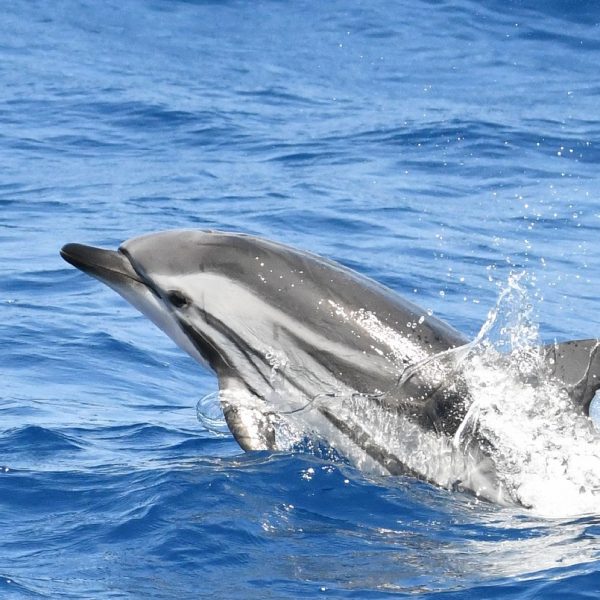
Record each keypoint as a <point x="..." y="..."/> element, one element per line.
<point x="177" y="298"/>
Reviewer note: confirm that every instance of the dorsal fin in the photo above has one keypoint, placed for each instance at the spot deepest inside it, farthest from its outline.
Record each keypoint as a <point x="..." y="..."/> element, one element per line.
<point x="577" y="365"/>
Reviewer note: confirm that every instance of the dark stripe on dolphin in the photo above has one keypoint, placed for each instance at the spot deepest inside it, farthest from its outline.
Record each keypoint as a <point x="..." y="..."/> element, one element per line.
<point x="364" y="441"/>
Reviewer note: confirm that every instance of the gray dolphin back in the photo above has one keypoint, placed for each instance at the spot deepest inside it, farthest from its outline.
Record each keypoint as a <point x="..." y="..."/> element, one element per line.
<point x="304" y="301"/>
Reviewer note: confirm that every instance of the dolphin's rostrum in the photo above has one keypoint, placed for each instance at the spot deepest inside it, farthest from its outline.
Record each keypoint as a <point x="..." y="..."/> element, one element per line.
<point x="300" y="341"/>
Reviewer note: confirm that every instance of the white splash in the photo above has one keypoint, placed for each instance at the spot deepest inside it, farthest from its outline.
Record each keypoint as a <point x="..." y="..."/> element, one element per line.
<point x="546" y="453"/>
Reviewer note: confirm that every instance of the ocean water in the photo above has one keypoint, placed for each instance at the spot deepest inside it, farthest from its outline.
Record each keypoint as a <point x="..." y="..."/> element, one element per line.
<point x="441" y="148"/>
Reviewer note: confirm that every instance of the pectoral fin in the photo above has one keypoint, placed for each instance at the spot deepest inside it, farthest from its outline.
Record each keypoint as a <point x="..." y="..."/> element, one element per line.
<point x="252" y="426"/>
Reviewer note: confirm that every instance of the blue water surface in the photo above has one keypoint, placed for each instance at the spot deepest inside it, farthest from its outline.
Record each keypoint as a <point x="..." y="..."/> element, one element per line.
<point x="435" y="146"/>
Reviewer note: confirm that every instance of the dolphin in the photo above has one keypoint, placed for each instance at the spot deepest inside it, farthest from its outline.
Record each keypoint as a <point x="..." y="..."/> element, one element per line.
<point x="303" y="346"/>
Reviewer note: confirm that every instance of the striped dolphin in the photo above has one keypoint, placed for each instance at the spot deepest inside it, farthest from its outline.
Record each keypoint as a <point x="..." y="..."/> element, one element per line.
<point x="303" y="345"/>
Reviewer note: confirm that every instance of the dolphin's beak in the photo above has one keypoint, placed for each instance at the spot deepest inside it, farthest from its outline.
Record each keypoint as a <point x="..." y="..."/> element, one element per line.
<point x="109" y="266"/>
